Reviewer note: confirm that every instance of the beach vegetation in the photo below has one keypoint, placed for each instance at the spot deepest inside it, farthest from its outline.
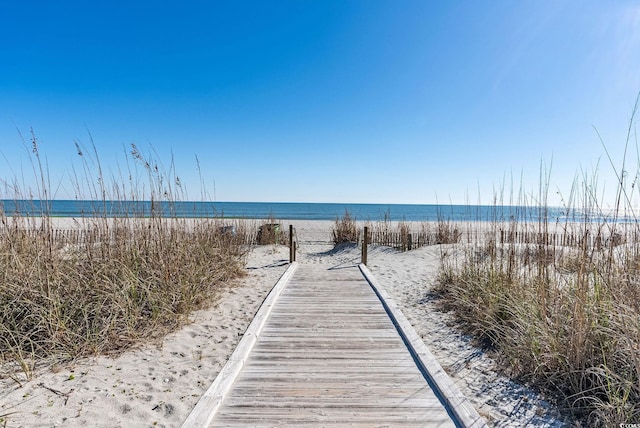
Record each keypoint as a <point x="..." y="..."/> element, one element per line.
<point x="557" y="301"/>
<point x="404" y="236"/>
<point x="345" y="229"/>
<point x="106" y="282"/>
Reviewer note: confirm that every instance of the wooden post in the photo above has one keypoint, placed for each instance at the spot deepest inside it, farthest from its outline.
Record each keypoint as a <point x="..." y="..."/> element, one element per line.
<point x="292" y="250"/>
<point x="409" y="239"/>
<point x="365" y="243"/>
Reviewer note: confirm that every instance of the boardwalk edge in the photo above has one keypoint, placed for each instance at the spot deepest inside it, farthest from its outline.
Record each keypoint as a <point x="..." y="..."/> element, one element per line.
<point x="465" y="414"/>
<point x="205" y="409"/>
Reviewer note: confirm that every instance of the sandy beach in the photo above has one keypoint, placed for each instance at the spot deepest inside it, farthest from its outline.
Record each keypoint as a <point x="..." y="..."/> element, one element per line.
<point x="157" y="384"/>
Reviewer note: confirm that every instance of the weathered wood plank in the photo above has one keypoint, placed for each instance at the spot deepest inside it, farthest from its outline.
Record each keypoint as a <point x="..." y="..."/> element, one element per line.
<point x="296" y="416"/>
<point x="457" y="403"/>
<point x="312" y="401"/>
<point x="329" y="352"/>
<point x="208" y="404"/>
<point x="330" y="355"/>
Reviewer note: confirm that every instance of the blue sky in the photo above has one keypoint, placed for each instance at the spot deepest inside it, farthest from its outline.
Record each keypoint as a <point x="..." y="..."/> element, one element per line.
<point x="324" y="101"/>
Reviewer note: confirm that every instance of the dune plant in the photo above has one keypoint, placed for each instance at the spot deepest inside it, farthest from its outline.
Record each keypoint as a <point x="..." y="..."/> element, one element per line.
<point x="447" y="232"/>
<point x="382" y="232"/>
<point x="345" y="229"/>
<point x="558" y="300"/>
<point x="110" y="281"/>
<point x="403" y="235"/>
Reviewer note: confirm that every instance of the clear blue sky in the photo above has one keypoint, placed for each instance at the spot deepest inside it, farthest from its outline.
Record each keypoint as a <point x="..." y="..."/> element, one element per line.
<point x="324" y="101"/>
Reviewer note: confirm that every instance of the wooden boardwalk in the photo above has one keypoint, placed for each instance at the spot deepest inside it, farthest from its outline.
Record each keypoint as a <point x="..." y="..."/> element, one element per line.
<point x="328" y="354"/>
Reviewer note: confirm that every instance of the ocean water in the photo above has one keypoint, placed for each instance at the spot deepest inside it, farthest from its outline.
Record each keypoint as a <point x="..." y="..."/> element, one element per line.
<point x="280" y="210"/>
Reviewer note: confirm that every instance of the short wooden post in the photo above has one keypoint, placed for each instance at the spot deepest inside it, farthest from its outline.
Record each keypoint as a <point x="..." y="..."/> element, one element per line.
<point x="409" y="239"/>
<point x="292" y="250"/>
<point x="365" y="243"/>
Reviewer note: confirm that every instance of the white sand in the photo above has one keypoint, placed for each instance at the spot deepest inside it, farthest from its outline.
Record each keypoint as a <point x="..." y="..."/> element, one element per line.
<point x="158" y="385"/>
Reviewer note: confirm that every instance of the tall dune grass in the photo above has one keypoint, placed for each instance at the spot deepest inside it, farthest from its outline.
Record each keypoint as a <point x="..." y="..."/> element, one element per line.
<point x="345" y="229"/>
<point x="116" y="281"/>
<point x="559" y="302"/>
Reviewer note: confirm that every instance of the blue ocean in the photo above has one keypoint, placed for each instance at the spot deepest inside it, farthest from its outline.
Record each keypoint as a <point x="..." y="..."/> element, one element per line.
<point x="281" y="210"/>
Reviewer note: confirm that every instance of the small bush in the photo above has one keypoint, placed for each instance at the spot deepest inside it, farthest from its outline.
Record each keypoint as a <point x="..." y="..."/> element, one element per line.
<point x="345" y="229"/>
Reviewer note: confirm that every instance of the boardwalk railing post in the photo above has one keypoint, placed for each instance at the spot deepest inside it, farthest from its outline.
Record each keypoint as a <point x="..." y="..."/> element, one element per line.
<point x="365" y="243"/>
<point x="292" y="249"/>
